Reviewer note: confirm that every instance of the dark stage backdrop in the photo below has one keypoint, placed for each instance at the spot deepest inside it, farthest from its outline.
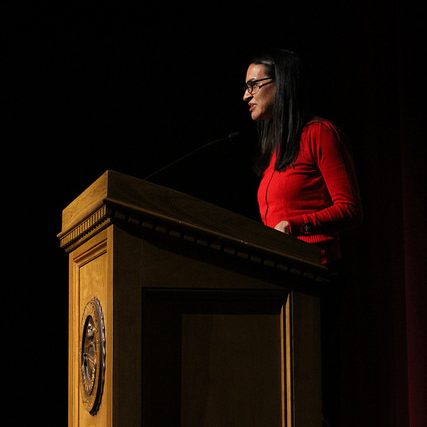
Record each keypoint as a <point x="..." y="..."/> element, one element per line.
<point x="91" y="86"/>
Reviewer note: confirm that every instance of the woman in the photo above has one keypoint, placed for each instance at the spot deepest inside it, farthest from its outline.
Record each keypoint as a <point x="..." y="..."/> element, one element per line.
<point x="308" y="187"/>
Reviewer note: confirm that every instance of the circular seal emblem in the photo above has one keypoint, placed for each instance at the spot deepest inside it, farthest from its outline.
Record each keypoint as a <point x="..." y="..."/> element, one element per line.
<point x="92" y="356"/>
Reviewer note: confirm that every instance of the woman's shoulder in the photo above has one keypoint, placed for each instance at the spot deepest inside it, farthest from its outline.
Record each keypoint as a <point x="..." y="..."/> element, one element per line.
<point x="319" y="128"/>
<point x="317" y="122"/>
<point x="321" y="135"/>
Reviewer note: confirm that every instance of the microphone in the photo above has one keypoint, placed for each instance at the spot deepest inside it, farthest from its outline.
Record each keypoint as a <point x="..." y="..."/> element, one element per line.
<point x="231" y="136"/>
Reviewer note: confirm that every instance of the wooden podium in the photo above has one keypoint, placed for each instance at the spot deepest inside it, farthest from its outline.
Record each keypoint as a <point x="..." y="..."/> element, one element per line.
<point x="182" y="313"/>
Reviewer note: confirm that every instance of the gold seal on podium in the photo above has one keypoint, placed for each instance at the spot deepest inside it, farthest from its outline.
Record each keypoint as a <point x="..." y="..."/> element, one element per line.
<point x="92" y="356"/>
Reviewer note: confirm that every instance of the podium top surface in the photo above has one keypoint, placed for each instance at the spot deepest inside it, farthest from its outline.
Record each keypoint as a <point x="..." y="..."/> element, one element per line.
<point x="185" y="211"/>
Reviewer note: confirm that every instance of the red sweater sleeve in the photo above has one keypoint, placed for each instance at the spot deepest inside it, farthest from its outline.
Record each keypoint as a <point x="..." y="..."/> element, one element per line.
<point x="322" y="143"/>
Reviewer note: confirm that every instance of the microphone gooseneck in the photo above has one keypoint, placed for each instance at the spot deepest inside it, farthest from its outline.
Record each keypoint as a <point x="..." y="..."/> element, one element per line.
<point x="229" y="137"/>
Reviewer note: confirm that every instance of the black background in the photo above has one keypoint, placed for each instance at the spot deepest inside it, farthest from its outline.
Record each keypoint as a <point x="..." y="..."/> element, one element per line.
<point x="90" y="86"/>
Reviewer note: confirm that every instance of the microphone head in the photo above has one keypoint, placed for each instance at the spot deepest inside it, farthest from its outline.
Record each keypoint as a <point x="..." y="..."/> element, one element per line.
<point x="233" y="135"/>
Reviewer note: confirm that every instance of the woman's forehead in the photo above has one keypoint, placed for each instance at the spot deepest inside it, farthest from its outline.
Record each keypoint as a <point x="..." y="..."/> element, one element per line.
<point x="255" y="71"/>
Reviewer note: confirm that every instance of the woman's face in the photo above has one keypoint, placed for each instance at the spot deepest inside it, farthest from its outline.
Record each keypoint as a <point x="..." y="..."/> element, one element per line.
<point x="261" y="99"/>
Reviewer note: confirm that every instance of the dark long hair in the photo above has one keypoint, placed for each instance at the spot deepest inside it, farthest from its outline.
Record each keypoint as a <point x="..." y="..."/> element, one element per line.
<point x="281" y="134"/>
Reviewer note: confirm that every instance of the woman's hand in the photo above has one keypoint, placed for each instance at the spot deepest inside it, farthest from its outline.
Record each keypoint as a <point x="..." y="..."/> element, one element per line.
<point x="283" y="226"/>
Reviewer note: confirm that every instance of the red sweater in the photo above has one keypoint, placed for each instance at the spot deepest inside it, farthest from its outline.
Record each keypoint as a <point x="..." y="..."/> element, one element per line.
<point x="320" y="188"/>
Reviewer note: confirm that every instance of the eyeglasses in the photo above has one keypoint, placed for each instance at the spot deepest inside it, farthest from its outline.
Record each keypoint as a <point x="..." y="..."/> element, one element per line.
<point x="253" y="86"/>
